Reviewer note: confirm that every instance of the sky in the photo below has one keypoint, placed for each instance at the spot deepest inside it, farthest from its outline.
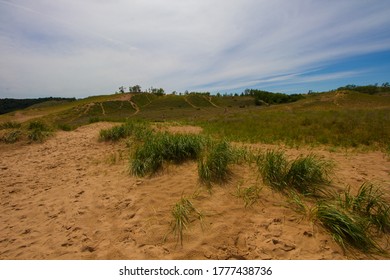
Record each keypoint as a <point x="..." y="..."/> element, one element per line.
<point x="72" y="48"/>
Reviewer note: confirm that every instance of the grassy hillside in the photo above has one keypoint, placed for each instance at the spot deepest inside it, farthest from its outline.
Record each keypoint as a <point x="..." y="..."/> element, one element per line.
<point x="342" y="118"/>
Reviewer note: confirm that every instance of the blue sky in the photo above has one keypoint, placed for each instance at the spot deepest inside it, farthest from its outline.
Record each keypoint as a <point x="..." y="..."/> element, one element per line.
<point x="74" y="48"/>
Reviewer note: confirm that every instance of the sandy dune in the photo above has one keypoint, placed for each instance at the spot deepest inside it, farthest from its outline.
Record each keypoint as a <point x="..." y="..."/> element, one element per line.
<point x="72" y="198"/>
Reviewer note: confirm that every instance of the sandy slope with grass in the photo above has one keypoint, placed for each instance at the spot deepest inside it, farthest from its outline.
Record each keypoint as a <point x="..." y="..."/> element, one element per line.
<point x="72" y="197"/>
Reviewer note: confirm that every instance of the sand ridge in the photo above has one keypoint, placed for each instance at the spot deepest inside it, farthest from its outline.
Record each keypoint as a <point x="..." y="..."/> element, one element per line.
<point x="71" y="197"/>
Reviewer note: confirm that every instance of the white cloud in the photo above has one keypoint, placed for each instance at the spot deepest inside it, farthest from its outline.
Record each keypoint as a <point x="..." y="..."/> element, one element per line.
<point x="79" y="48"/>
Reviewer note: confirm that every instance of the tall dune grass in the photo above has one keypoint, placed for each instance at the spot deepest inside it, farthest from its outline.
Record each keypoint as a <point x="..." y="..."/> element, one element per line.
<point x="356" y="220"/>
<point x="304" y="174"/>
<point x="346" y="228"/>
<point x="213" y="166"/>
<point x="138" y="129"/>
<point x="38" y="131"/>
<point x="158" y="148"/>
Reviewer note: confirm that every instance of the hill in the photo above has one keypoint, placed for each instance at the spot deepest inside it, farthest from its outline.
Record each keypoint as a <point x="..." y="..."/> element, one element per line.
<point x="341" y="118"/>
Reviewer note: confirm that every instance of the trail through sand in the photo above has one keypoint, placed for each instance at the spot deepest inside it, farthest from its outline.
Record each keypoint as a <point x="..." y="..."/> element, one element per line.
<point x="72" y="198"/>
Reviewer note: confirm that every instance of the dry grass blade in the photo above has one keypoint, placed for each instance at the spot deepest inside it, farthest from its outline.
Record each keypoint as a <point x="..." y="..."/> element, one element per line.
<point x="250" y="195"/>
<point x="183" y="212"/>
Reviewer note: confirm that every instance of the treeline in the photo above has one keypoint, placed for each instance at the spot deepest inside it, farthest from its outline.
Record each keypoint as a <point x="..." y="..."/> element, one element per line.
<point x="265" y="97"/>
<point x="9" y="104"/>
<point x="369" y="89"/>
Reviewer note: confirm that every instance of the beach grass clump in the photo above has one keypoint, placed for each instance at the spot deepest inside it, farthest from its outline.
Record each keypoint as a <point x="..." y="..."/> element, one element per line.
<point x="137" y="129"/>
<point x="38" y="131"/>
<point x="356" y="220"/>
<point x="370" y="204"/>
<point x="115" y="133"/>
<point x="297" y="203"/>
<point x="9" y="125"/>
<point x="213" y="165"/>
<point x="273" y="167"/>
<point x="347" y="228"/>
<point x="11" y="136"/>
<point x="249" y="195"/>
<point x="305" y="174"/>
<point x="183" y="213"/>
<point x="162" y="147"/>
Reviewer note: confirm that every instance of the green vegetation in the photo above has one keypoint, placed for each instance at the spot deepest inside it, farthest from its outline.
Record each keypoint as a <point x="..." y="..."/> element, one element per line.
<point x="183" y="213"/>
<point x="9" y="104"/>
<point x="336" y="127"/>
<point x="346" y="228"/>
<point x="355" y="220"/>
<point x="273" y="168"/>
<point x="213" y="166"/>
<point x="35" y="131"/>
<point x="137" y="129"/>
<point x="249" y="195"/>
<point x="350" y="117"/>
<point x="11" y="136"/>
<point x="160" y="147"/>
<point x="266" y="98"/>
<point x="9" y="124"/>
<point x="38" y="131"/>
<point x="305" y="174"/>
<point x="370" y="204"/>
<point x="368" y="89"/>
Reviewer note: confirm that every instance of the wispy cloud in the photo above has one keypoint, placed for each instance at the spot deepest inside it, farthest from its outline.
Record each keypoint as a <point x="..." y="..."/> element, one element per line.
<point x="79" y="48"/>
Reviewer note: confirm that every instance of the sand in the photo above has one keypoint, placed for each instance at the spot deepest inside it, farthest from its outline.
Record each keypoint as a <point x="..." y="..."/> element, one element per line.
<point x="72" y="197"/>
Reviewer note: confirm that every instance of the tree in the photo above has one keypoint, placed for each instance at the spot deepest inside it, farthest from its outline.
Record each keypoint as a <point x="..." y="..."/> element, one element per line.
<point x="122" y="89"/>
<point x="135" y="89"/>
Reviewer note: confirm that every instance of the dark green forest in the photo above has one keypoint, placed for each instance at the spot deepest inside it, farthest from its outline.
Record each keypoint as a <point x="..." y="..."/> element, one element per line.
<point x="10" y="104"/>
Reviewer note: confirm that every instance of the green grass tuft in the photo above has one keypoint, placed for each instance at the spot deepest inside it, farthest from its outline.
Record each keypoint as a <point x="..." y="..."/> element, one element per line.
<point x="369" y="204"/>
<point x="158" y="148"/>
<point x="183" y="212"/>
<point x="346" y="228"/>
<point x="304" y="174"/>
<point x="11" y="136"/>
<point x="307" y="173"/>
<point x="213" y="166"/>
<point x="136" y="129"/>
<point x="273" y="166"/>
<point x="38" y="131"/>
<point x="9" y="124"/>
